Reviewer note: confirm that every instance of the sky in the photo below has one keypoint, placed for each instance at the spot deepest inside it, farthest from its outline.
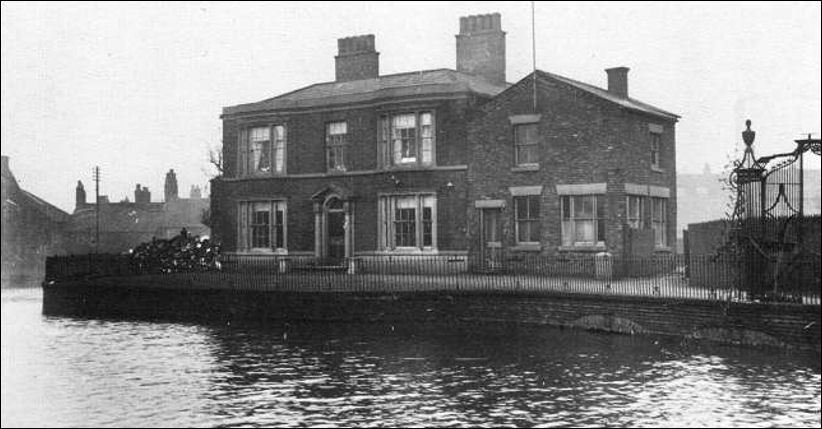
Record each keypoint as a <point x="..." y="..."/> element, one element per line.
<point x="138" y="88"/>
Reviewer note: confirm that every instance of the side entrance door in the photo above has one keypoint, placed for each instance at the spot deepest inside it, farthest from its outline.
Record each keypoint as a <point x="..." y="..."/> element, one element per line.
<point x="491" y="238"/>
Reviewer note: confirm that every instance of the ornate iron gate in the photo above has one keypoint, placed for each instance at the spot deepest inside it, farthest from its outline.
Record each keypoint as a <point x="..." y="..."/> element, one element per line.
<point x="769" y="221"/>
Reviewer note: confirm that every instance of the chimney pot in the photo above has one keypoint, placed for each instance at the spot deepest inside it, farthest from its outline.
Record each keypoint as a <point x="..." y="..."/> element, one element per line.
<point x="618" y="81"/>
<point x="481" y="47"/>
<point x="357" y="58"/>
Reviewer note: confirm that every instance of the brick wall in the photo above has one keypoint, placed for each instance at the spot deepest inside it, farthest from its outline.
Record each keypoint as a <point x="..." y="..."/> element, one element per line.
<point x="784" y="325"/>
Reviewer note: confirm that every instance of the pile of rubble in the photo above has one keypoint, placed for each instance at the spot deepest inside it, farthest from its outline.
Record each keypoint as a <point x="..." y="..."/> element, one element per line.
<point x="183" y="253"/>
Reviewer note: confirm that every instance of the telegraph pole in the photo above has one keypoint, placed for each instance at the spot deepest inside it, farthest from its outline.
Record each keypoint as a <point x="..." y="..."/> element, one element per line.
<point x="96" y="174"/>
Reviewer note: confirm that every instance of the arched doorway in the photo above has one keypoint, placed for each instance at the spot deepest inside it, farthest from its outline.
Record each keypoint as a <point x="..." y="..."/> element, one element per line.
<point x="333" y="225"/>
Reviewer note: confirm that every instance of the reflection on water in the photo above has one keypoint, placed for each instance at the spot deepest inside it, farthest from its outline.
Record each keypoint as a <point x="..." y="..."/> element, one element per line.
<point x="73" y="372"/>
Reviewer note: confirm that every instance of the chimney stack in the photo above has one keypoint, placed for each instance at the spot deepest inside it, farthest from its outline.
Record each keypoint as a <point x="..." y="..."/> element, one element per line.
<point x="481" y="47"/>
<point x="170" y="189"/>
<point x="618" y="81"/>
<point x="357" y="58"/>
<point x="79" y="196"/>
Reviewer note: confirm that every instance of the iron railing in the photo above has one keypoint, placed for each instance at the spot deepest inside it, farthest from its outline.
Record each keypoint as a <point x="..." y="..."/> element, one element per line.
<point x="710" y="277"/>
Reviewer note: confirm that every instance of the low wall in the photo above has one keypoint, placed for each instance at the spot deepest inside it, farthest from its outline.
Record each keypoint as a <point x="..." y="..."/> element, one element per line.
<point x="784" y="325"/>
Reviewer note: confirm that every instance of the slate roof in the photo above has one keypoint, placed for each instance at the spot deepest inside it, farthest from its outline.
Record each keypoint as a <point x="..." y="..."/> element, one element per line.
<point x="426" y="82"/>
<point x="628" y="103"/>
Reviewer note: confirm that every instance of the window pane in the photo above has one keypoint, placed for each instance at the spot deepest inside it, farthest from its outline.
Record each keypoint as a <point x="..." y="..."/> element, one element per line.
<point x="427" y="227"/>
<point x="568" y="233"/>
<point x="280" y="236"/>
<point x="533" y="207"/>
<point x="260" y="225"/>
<point x="566" y="207"/>
<point x="584" y="207"/>
<point x="584" y="231"/>
<point x="521" y="204"/>
<point x="279" y="148"/>
<point x="405" y="227"/>
<point x="525" y="134"/>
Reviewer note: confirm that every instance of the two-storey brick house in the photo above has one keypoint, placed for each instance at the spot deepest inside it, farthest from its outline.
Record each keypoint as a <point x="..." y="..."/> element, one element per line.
<point x="364" y="165"/>
<point x="580" y="169"/>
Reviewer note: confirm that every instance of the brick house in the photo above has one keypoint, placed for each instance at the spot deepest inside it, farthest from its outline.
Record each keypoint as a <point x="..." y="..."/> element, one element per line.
<point x="586" y="170"/>
<point x="426" y="162"/>
<point x="366" y="165"/>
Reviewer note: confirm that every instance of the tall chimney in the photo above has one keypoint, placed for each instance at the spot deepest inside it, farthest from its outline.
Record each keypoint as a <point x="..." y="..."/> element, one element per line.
<point x="79" y="196"/>
<point x="357" y="58"/>
<point x="618" y="81"/>
<point x="481" y="47"/>
<point x="170" y="189"/>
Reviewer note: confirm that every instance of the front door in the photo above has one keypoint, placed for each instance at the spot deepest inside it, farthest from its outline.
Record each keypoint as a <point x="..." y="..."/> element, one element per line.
<point x="491" y="238"/>
<point x="336" y="236"/>
<point x="335" y="231"/>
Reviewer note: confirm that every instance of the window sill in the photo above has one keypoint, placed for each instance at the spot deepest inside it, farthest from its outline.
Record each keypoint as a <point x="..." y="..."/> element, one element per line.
<point x="408" y="251"/>
<point x="260" y="251"/>
<point x="526" y="247"/>
<point x="525" y="167"/>
<point x="595" y="248"/>
<point x="663" y="249"/>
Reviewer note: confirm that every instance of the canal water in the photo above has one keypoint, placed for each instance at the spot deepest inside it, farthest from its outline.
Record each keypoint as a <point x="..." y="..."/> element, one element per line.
<point x="74" y="372"/>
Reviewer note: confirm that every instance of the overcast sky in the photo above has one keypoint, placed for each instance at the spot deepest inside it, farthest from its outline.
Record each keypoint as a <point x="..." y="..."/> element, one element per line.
<point x="138" y="88"/>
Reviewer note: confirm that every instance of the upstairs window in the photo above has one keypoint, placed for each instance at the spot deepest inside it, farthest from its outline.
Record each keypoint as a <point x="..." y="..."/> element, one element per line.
<point x="526" y="144"/>
<point x="407" y="139"/>
<point x="262" y="150"/>
<point x="656" y="145"/>
<point x="336" y="141"/>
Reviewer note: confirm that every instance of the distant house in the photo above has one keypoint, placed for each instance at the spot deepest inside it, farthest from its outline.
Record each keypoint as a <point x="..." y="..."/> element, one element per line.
<point x="126" y="224"/>
<point x="585" y="170"/>
<point x="32" y="229"/>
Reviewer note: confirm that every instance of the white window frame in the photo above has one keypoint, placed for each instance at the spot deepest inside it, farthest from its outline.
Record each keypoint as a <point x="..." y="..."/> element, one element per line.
<point x="387" y="205"/>
<point x="656" y="150"/>
<point x="636" y="219"/>
<point x="276" y="156"/>
<point x="245" y="216"/>
<point x="425" y="141"/>
<point x="338" y="142"/>
<point x="538" y="220"/>
<point x="571" y="221"/>
<point x="533" y="146"/>
<point x="659" y="221"/>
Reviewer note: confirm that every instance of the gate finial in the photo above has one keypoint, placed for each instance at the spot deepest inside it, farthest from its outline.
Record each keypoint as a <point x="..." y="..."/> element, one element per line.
<point x="748" y="135"/>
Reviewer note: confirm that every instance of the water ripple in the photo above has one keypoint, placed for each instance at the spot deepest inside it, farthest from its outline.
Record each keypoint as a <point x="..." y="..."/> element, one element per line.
<point x="72" y="372"/>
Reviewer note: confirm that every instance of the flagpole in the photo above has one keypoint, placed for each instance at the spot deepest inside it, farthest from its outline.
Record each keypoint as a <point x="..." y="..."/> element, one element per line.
<point x="534" y="54"/>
